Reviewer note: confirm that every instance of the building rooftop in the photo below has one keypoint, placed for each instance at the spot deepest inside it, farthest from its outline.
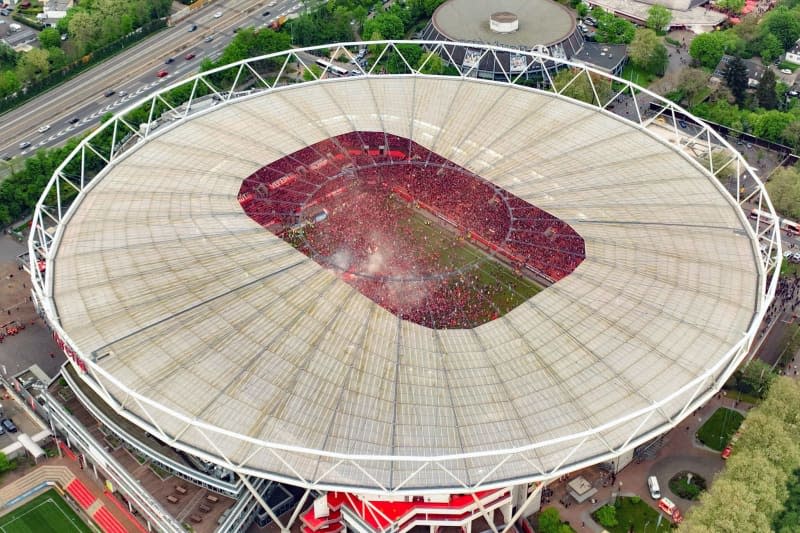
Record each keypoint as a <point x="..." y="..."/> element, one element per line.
<point x="540" y="21"/>
<point x="241" y="348"/>
<point x="603" y="56"/>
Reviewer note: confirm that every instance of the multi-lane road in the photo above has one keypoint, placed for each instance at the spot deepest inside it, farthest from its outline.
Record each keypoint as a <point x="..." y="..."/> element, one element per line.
<point x="132" y="74"/>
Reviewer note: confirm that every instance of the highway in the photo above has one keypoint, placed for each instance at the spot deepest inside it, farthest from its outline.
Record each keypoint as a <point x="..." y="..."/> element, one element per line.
<point x="78" y="104"/>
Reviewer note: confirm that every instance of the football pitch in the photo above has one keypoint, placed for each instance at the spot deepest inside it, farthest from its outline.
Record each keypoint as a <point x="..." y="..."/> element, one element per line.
<point x="46" y="513"/>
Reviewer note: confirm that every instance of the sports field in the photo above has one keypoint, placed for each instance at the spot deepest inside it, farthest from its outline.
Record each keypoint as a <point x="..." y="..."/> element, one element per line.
<point x="411" y="263"/>
<point x="46" y="513"/>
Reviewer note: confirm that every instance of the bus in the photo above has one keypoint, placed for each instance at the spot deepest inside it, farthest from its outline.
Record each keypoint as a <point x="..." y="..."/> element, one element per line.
<point x="330" y="67"/>
<point x="763" y="215"/>
<point x="790" y="227"/>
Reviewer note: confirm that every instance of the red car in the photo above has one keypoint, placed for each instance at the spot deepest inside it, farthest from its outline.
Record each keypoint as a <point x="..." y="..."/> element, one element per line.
<point x="162" y="73"/>
<point x="727" y="452"/>
<point x="187" y="57"/>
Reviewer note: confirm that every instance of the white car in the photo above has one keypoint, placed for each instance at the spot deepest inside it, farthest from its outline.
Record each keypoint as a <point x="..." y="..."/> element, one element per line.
<point x="218" y="14"/>
<point x="272" y="4"/>
<point x="788" y="253"/>
<point x="786" y="71"/>
<point x="44" y="128"/>
<point x="796" y="257"/>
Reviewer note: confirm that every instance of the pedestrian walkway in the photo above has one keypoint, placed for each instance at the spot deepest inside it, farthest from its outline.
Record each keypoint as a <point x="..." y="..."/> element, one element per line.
<point x="680" y="452"/>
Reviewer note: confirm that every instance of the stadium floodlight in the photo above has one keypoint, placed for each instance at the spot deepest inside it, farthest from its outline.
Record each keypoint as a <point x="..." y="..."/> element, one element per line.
<point x="200" y="325"/>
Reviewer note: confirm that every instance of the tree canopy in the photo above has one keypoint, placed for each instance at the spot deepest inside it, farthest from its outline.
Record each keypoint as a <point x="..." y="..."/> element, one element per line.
<point x="658" y="18"/>
<point x="784" y="190"/>
<point x="753" y="491"/>
<point x="611" y="29"/>
<point x="647" y="52"/>
<point x="766" y="94"/>
<point x="736" y="78"/>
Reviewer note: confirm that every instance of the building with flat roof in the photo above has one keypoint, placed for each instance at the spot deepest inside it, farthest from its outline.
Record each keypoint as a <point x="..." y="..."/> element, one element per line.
<point x="542" y="25"/>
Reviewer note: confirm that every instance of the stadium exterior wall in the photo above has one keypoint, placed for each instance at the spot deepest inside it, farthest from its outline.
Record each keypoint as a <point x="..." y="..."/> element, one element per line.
<point x="54" y="210"/>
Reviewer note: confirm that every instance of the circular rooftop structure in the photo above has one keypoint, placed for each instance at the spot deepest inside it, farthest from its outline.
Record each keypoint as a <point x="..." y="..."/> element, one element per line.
<point x="541" y="22"/>
<point x="198" y="319"/>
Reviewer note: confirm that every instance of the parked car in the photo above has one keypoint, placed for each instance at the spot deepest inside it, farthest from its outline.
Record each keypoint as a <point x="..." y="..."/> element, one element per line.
<point x="726" y="452"/>
<point x="161" y="73"/>
<point x="590" y="21"/>
<point x="189" y="56"/>
<point x="9" y="425"/>
<point x="5" y="157"/>
<point x="682" y="123"/>
<point x="786" y="71"/>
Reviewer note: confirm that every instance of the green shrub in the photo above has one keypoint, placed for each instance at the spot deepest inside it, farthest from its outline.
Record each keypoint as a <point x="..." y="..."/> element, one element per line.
<point x="607" y="516"/>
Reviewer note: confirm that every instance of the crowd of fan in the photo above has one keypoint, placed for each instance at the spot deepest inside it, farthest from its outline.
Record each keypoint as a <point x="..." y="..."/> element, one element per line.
<point x="361" y="185"/>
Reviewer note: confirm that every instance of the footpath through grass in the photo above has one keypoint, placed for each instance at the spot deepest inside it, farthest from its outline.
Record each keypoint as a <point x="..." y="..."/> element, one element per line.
<point x="46" y="513"/>
<point x="717" y="431"/>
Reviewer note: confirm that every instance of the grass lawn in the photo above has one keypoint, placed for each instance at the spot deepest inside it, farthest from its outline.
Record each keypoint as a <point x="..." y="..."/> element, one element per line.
<point x="636" y="75"/>
<point x="717" y="431"/>
<point x="634" y="512"/>
<point x="46" y="513"/>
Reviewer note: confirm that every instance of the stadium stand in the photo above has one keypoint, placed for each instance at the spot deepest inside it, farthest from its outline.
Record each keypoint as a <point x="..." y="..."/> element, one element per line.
<point x="343" y="179"/>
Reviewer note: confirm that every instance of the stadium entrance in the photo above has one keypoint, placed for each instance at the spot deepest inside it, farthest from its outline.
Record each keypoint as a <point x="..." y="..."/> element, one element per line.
<point x="424" y="238"/>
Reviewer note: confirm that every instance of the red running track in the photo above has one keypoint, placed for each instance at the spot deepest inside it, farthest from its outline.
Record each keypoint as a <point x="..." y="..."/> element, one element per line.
<point x="80" y="493"/>
<point x="127" y="513"/>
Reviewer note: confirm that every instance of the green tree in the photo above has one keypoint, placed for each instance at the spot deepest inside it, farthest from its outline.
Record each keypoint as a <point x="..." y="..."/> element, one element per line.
<point x="582" y="9"/>
<point x="784" y="190"/>
<point x="647" y="52"/>
<point x="736" y="78"/>
<point x="410" y="52"/>
<point x="611" y="29"/>
<point x="57" y="58"/>
<point x="765" y="92"/>
<point x="49" y="38"/>
<point x="431" y="63"/>
<point x="770" y="48"/>
<point x="581" y="88"/>
<point x="692" y="81"/>
<point x="658" y="18"/>
<point x="756" y="377"/>
<point x="734" y="6"/>
<point x="33" y="65"/>
<point x="783" y="24"/>
<point x="83" y="31"/>
<point x="6" y="464"/>
<point x="607" y="516"/>
<point x="387" y="24"/>
<point x="8" y="56"/>
<point x="549" y="520"/>
<point x="791" y="134"/>
<point x="9" y="83"/>
<point x="708" y="48"/>
<point x="771" y="125"/>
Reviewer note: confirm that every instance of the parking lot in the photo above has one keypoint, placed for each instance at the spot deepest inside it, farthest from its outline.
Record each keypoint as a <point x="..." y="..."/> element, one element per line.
<point x="25" y="35"/>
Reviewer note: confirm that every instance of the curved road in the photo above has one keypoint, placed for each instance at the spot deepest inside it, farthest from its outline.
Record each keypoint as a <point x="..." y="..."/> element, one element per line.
<point x="133" y="71"/>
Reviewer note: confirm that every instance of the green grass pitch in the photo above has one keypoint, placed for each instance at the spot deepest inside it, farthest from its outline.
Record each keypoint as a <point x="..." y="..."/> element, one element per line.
<point x="46" y="513"/>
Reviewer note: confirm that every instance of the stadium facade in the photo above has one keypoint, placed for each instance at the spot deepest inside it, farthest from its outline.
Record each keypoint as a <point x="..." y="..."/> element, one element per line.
<point x="518" y="26"/>
<point x="186" y="319"/>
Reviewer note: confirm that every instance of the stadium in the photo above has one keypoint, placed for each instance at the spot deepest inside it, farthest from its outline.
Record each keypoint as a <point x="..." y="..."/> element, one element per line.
<point x="418" y="298"/>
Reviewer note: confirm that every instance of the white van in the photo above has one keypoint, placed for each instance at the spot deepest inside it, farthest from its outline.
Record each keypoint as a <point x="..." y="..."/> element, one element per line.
<point x="652" y="484"/>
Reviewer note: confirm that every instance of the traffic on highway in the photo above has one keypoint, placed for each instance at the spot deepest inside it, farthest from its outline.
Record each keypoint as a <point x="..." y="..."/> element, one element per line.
<point x="77" y="105"/>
